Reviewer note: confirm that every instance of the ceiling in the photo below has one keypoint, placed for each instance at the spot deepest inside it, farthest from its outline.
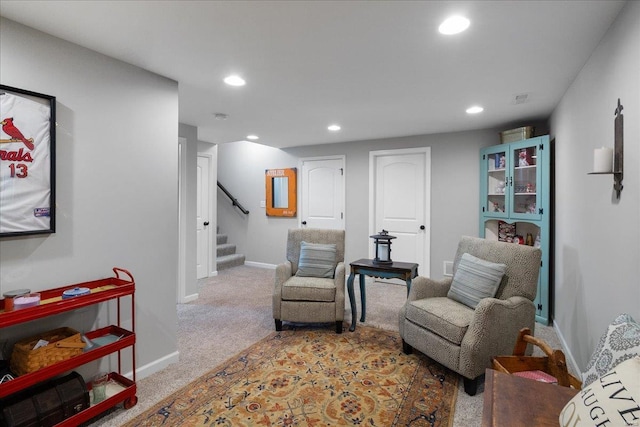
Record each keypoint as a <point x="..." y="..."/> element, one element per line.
<point x="379" y="69"/>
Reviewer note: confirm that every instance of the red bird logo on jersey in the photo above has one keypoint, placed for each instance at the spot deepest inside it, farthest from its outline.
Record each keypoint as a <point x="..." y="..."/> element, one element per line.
<point x="10" y="129"/>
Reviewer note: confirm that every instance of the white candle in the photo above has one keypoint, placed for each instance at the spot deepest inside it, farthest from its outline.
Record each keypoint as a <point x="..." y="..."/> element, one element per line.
<point x="603" y="159"/>
<point x="383" y="252"/>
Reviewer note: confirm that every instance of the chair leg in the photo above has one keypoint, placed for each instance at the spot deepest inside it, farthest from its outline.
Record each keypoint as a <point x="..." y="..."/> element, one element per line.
<point x="338" y="326"/>
<point x="471" y="386"/>
<point x="406" y="348"/>
<point x="278" y="325"/>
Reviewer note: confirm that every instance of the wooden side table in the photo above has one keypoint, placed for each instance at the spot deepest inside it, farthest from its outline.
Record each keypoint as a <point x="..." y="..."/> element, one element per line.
<point x="366" y="267"/>
<point x="511" y="401"/>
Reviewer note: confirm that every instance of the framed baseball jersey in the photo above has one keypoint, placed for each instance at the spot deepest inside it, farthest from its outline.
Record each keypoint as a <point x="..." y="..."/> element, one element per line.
<point x="27" y="162"/>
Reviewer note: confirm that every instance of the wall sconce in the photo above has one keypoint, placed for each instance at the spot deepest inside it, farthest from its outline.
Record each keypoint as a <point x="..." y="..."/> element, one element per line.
<point x="382" y="241"/>
<point x="604" y="157"/>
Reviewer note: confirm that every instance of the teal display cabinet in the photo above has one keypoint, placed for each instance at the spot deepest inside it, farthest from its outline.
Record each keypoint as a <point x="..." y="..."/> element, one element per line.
<point x="515" y="195"/>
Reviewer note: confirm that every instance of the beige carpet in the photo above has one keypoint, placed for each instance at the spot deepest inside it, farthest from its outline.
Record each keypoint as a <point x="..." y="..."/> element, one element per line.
<point x="234" y="311"/>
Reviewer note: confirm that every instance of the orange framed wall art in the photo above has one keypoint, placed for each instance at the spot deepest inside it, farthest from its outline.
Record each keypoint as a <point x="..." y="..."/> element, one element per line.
<point x="281" y="187"/>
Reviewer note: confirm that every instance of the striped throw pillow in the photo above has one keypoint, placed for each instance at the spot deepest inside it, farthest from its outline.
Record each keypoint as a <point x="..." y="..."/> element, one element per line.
<point x="475" y="279"/>
<point x="317" y="260"/>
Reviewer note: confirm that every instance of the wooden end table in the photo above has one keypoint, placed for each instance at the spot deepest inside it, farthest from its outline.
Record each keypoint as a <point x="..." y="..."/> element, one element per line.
<point x="511" y="401"/>
<point x="366" y="267"/>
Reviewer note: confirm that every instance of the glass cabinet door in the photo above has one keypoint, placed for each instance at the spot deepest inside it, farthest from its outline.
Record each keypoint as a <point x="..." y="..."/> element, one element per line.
<point x="524" y="182"/>
<point x="496" y="178"/>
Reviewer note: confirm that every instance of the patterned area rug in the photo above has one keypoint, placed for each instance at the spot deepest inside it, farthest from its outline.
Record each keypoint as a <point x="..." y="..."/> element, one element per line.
<point x="315" y="377"/>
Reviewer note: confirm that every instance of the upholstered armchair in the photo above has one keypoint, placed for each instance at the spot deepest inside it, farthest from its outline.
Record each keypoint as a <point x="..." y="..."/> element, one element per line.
<point x="439" y="318"/>
<point x="309" y="286"/>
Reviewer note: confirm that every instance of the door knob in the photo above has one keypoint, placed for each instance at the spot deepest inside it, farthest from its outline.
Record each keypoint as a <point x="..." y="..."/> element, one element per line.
<point x="206" y="223"/>
<point x="304" y="222"/>
<point x="422" y="227"/>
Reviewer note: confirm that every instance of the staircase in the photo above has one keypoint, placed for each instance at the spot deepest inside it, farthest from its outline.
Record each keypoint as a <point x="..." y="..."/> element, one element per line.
<point x="226" y="256"/>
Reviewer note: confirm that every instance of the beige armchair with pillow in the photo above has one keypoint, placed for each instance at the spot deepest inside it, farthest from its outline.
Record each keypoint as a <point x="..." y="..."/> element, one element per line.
<point x="464" y="321"/>
<point x="309" y="286"/>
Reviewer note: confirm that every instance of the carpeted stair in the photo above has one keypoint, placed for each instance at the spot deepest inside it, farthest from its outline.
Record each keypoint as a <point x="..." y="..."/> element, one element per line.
<point x="226" y="256"/>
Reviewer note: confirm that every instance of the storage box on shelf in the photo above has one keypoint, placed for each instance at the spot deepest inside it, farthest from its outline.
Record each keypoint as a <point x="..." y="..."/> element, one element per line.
<point x="515" y="135"/>
<point x="113" y="339"/>
<point x="515" y="202"/>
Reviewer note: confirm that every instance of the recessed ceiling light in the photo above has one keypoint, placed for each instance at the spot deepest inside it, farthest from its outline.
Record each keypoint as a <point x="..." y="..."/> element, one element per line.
<point x="475" y="109"/>
<point x="454" y="25"/>
<point x="252" y="137"/>
<point x="334" y="128"/>
<point x="234" y="80"/>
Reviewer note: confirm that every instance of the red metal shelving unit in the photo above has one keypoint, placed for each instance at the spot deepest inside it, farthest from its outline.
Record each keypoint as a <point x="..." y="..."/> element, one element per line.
<point x="51" y="303"/>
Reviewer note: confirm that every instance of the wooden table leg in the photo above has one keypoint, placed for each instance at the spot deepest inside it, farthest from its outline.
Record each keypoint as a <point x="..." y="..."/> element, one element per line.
<point x="352" y="302"/>
<point x="363" y="297"/>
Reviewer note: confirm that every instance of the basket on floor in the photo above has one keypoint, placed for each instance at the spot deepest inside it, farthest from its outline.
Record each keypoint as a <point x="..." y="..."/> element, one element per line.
<point x="554" y="363"/>
<point x="63" y="343"/>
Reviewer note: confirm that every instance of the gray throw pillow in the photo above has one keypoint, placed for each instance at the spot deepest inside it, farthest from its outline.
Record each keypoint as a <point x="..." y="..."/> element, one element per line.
<point x="317" y="260"/>
<point x="475" y="279"/>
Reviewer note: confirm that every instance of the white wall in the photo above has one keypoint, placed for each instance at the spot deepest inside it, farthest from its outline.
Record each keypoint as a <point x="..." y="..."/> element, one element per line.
<point x="597" y="237"/>
<point x="241" y="167"/>
<point x="116" y="192"/>
<point x="190" y="133"/>
<point x="454" y="192"/>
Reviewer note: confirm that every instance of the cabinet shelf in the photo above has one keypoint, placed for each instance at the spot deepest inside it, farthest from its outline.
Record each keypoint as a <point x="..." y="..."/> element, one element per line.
<point x="115" y="339"/>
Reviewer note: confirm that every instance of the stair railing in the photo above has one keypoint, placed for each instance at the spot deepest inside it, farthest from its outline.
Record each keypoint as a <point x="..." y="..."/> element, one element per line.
<point x="233" y="199"/>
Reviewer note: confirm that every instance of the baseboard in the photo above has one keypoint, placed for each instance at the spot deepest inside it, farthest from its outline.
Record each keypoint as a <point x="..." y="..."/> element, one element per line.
<point x="155" y="366"/>
<point x="213" y="273"/>
<point x="260" y="265"/>
<point x="565" y="349"/>
<point x="189" y="298"/>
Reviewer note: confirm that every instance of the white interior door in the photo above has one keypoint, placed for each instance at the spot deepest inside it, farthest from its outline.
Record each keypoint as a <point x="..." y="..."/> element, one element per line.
<point x="400" y="202"/>
<point x="202" y="217"/>
<point x="322" y="195"/>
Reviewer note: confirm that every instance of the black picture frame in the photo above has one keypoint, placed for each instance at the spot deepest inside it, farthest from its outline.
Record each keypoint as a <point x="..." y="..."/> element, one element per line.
<point x="27" y="162"/>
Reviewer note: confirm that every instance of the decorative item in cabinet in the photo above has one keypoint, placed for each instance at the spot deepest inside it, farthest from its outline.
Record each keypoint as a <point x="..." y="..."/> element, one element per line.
<point x="515" y="202"/>
<point x="111" y="339"/>
<point x="506" y="231"/>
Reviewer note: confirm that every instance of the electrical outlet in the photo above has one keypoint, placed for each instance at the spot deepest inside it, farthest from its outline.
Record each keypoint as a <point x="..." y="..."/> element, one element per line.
<point x="447" y="268"/>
